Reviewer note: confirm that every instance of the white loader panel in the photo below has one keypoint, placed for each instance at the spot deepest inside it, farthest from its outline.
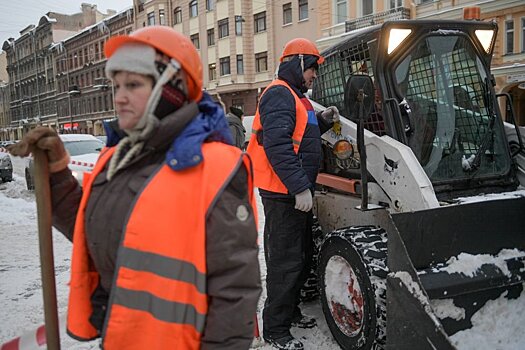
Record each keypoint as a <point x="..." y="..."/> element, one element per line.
<point x="394" y="167"/>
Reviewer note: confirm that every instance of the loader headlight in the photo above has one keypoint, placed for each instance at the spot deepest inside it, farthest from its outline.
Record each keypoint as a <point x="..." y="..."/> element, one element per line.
<point x="485" y="38"/>
<point x="343" y="149"/>
<point x="396" y="37"/>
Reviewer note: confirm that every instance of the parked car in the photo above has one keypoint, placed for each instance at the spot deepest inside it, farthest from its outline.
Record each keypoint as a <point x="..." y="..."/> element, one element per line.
<point x="6" y="167"/>
<point x="102" y="138"/>
<point x="83" y="150"/>
<point x="6" y="143"/>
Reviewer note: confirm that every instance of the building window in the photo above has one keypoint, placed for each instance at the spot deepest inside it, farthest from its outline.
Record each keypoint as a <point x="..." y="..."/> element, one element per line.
<point x="223" y="28"/>
<point x="162" y="17"/>
<point x="210" y="5"/>
<point x="212" y="71"/>
<point x="259" y="20"/>
<point x="340" y="11"/>
<point x="195" y="40"/>
<point x="177" y="16"/>
<point x="238" y="103"/>
<point x="367" y="7"/>
<point x="240" y="65"/>
<point x="194" y="12"/>
<point x="396" y="3"/>
<point x="287" y="13"/>
<point x="151" y="18"/>
<point x="303" y="10"/>
<point x="211" y="37"/>
<point x="509" y="37"/>
<point x="261" y="62"/>
<point x="225" y="65"/>
<point x="238" y="25"/>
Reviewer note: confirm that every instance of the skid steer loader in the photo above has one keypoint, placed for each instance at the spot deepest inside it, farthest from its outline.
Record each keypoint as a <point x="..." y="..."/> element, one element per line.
<point x="418" y="171"/>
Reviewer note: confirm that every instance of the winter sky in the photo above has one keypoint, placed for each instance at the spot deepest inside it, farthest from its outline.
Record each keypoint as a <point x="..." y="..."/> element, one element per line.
<point x="16" y="15"/>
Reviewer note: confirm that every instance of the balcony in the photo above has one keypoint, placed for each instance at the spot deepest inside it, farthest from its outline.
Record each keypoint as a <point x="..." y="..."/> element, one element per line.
<point x="377" y="18"/>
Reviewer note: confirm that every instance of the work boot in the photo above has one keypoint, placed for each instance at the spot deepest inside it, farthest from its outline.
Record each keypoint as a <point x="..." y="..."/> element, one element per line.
<point x="287" y="343"/>
<point x="302" y="321"/>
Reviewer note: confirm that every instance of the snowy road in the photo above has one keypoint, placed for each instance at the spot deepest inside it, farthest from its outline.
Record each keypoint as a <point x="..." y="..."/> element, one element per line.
<point x="498" y="326"/>
<point x="20" y="286"/>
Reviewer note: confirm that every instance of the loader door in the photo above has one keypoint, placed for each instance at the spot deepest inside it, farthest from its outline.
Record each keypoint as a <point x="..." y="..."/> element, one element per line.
<point x="453" y="124"/>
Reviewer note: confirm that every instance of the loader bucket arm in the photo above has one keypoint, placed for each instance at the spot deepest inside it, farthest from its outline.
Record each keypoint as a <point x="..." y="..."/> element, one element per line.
<point x="419" y="250"/>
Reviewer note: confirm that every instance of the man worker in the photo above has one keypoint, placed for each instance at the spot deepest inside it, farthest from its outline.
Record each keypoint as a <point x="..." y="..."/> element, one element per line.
<point x="285" y="148"/>
<point x="237" y="130"/>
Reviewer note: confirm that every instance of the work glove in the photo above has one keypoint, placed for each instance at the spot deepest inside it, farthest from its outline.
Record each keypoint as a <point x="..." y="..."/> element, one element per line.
<point x="47" y="140"/>
<point x="330" y="114"/>
<point x="303" y="201"/>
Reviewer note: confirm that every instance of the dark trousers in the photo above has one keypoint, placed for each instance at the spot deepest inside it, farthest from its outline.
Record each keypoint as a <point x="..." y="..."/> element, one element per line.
<point x="288" y="249"/>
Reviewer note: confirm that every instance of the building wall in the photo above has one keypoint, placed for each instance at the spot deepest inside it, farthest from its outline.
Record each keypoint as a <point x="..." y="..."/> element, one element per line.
<point x="84" y="94"/>
<point x="308" y="28"/>
<point x="31" y="67"/>
<point x="4" y="111"/>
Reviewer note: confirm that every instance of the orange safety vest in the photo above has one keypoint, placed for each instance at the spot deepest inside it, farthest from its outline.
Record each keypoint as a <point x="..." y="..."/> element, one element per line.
<point x="263" y="173"/>
<point x="158" y="299"/>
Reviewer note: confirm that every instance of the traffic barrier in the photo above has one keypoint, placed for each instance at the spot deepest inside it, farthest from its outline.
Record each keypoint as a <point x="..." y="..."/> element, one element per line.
<point x="33" y="340"/>
<point x="86" y="164"/>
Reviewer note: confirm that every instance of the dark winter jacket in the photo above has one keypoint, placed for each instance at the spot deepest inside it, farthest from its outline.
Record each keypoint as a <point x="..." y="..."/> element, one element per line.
<point x="236" y="129"/>
<point x="299" y="171"/>
<point x="228" y="247"/>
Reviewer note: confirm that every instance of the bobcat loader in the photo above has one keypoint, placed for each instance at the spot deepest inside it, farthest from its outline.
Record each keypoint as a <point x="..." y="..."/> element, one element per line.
<point x="418" y="171"/>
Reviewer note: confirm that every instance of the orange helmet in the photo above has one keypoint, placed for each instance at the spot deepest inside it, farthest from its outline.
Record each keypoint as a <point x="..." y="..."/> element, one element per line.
<point x="303" y="46"/>
<point x="173" y="44"/>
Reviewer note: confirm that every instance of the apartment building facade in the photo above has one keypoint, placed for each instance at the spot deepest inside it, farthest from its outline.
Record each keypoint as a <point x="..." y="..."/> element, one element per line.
<point x="31" y="70"/>
<point x="84" y="96"/>
<point x="56" y="69"/>
<point x="4" y="98"/>
<point x="239" y="41"/>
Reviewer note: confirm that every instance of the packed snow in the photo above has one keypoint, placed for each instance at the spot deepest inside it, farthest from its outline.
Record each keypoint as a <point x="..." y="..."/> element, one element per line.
<point x="20" y="286"/>
<point x="498" y="325"/>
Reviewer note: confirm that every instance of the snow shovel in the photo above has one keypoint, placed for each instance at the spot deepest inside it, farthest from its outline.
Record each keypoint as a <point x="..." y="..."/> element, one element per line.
<point x="47" y="265"/>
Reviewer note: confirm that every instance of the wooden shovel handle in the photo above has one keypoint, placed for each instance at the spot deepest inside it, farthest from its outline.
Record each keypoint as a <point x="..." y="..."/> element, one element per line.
<point x="47" y="265"/>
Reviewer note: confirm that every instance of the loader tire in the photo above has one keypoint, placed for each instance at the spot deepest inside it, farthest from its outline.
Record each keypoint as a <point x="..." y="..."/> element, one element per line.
<point x="352" y="278"/>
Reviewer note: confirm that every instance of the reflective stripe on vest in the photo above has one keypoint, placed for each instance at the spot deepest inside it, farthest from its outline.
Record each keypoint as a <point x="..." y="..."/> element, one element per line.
<point x="158" y="298"/>
<point x="264" y="175"/>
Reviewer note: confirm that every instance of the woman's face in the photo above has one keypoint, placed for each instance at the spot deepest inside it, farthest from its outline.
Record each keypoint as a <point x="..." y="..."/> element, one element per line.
<point x="132" y="92"/>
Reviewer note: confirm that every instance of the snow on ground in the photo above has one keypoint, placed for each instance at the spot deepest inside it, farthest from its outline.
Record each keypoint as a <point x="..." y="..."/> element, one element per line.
<point x="497" y="326"/>
<point x="21" y="309"/>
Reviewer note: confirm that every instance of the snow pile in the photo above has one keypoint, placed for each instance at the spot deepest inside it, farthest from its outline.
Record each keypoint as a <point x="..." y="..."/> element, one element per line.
<point x="520" y="192"/>
<point x="496" y="326"/>
<point x="444" y="308"/>
<point x="468" y="264"/>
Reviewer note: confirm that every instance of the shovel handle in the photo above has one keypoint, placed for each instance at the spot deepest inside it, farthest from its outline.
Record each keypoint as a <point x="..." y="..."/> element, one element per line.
<point x="47" y="265"/>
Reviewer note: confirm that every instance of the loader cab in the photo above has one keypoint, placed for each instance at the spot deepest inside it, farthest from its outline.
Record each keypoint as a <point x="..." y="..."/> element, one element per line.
<point x="434" y="93"/>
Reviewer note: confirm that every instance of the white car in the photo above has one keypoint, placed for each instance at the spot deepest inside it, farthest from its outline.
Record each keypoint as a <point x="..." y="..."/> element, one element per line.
<point x="83" y="150"/>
